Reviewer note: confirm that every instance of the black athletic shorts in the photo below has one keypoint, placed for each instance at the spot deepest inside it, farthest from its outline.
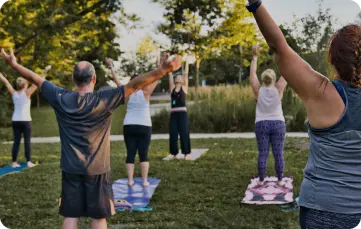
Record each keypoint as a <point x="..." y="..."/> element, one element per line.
<point x="86" y="196"/>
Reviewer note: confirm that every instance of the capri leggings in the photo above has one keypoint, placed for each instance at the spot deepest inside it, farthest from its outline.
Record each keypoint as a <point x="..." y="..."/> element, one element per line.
<point x="137" y="138"/>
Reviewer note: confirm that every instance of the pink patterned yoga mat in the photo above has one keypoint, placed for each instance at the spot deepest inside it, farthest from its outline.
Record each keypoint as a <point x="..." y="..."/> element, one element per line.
<point x="270" y="192"/>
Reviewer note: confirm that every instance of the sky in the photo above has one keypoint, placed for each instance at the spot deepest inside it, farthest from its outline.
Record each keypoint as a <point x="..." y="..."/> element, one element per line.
<point x="282" y="11"/>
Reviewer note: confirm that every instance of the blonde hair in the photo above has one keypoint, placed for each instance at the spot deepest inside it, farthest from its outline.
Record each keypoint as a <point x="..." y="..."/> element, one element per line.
<point x="268" y="78"/>
<point x="21" y="83"/>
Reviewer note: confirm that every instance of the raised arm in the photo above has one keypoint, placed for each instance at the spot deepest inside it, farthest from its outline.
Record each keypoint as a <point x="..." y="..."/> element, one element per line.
<point x="33" y="87"/>
<point x="141" y="82"/>
<point x="171" y="82"/>
<point x="281" y="86"/>
<point x="255" y="85"/>
<point x="10" y="59"/>
<point x="307" y="83"/>
<point x="7" y="84"/>
<point x="186" y="75"/>
<point x="110" y="65"/>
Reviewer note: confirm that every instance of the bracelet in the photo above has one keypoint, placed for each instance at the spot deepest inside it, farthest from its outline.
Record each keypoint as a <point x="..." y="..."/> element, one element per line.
<point x="252" y="7"/>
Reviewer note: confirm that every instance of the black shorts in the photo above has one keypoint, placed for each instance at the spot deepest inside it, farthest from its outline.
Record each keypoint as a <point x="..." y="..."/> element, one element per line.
<point x="86" y="196"/>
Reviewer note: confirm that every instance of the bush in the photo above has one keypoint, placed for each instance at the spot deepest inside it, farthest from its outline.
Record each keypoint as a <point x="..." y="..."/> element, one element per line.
<point x="224" y="109"/>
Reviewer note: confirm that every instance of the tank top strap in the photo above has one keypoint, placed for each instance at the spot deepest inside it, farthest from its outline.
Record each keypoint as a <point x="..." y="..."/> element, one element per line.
<point x="340" y="89"/>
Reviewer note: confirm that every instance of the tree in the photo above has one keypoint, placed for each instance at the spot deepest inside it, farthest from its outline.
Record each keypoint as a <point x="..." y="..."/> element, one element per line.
<point x="312" y="34"/>
<point x="60" y="33"/>
<point x="235" y="31"/>
<point x="143" y="60"/>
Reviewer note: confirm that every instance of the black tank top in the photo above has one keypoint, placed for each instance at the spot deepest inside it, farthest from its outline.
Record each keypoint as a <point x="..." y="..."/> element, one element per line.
<point x="178" y="98"/>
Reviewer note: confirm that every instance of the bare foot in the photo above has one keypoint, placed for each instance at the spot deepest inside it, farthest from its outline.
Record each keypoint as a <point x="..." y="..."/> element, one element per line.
<point x="260" y="183"/>
<point x="146" y="183"/>
<point x="15" y="165"/>
<point x="30" y="164"/>
<point x="170" y="157"/>
<point x="188" y="157"/>
<point x="131" y="183"/>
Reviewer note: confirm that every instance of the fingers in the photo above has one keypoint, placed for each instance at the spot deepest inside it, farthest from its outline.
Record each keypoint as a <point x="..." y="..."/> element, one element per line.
<point x="3" y="53"/>
<point x="12" y="53"/>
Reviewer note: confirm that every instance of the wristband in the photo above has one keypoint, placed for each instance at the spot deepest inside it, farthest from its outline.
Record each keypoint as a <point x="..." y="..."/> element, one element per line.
<point x="254" y="6"/>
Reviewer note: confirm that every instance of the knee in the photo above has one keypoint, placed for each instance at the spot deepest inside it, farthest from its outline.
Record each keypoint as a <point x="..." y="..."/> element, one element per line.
<point x="130" y="159"/>
<point x="143" y="158"/>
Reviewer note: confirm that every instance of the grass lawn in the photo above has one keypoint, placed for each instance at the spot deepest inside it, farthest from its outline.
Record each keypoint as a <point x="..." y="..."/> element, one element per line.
<point x="200" y="194"/>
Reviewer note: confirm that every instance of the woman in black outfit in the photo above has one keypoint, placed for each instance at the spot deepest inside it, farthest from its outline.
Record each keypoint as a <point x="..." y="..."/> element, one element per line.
<point x="178" y="123"/>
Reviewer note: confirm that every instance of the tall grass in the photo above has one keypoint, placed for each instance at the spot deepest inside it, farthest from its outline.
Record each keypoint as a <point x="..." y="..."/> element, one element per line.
<point x="224" y="109"/>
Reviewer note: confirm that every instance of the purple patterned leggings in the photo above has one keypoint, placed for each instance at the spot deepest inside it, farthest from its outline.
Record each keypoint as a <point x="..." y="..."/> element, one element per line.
<point x="270" y="132"/>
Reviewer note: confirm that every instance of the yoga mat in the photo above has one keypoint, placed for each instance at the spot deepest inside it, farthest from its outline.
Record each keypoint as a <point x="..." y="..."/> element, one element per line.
<point x="6" y="170"/>
<point x="270" y="192"/>
<point x="136" y="197"/>
<point x="196" y="153"/>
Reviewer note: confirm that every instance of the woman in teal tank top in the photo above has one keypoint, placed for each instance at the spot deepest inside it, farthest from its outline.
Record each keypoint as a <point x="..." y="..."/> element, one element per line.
<point x="330" y="195"/>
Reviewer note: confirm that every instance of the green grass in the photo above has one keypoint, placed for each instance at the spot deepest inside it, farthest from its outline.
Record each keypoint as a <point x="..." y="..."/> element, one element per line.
<point x="200" y="194"/>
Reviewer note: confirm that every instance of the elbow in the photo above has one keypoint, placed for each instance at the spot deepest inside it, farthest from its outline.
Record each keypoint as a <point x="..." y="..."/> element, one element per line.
<point x="279" y="46"/>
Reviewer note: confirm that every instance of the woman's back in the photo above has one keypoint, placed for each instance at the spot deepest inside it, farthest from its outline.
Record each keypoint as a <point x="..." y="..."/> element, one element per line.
<point x="138" y="110"/>
<point x="333" y="171"/>
<point x="22" y="106"/>
<point x="269" y="105"/>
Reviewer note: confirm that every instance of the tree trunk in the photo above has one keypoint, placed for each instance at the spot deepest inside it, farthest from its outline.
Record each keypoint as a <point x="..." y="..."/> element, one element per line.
<point x="240" y="65"/>
<point x="198" y="62"/>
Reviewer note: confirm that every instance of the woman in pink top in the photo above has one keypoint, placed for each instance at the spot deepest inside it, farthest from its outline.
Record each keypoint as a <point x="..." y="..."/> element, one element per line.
<point x="270" y="122"/>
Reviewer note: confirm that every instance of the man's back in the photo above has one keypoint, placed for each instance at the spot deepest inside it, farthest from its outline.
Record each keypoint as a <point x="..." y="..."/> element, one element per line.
<point x="84" y="125"/>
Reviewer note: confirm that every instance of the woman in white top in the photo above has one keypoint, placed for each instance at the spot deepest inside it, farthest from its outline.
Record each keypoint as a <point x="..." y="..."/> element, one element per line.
<point x="137" y="128"/>
<point x="21" y="119"/>
<point x="270" y="122"/>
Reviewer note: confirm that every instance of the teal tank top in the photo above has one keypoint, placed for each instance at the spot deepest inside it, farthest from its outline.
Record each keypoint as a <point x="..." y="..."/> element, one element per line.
<point x="332" y="177"/>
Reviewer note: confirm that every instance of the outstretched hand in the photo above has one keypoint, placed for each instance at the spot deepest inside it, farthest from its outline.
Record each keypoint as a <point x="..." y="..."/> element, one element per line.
<point x="10" y="59"/>
<point x="47" y="68"/>
<point x="172" y="63"/>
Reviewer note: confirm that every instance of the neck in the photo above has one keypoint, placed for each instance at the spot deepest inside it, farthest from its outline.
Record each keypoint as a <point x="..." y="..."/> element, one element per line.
<point x="84" y="90"/>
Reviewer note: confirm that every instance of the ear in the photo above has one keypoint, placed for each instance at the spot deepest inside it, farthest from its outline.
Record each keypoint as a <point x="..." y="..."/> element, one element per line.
<point x="94" y="80"/>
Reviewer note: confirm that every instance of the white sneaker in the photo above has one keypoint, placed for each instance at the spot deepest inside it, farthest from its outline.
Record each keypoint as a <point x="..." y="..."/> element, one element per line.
<point x="15" y="165"/>
<point x="169" y="157"/>
<point x="30" y="164"/>
<point x="281" y="183"/>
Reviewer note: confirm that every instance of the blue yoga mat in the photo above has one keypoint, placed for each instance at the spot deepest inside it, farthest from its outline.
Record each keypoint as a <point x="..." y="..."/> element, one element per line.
<point x="136" y="197"/>
<point x="8" y="169"/>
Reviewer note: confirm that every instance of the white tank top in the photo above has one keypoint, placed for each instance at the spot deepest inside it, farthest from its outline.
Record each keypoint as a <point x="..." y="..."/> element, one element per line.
<point x="138" y="112"/>
<point x="269" y="105"/>
<point x="22" y="106"/>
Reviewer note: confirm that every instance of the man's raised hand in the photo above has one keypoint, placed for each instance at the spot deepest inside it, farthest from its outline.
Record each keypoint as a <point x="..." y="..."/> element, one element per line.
<point x="10" y="59"/>
<point x="172" y="64"/>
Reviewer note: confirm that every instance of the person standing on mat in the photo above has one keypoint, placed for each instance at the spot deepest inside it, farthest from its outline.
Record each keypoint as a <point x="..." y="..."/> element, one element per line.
<point x="21" y="119"/>
<point x="330" y="191"/>
<point x="178" y="122"/>
<point x="270" y="122"/>
<point x="137" y="128"/>
<point x="84" y="118"/>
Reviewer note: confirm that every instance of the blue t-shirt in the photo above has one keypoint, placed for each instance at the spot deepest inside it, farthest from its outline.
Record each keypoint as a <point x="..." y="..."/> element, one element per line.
<point x="84" y="127"/>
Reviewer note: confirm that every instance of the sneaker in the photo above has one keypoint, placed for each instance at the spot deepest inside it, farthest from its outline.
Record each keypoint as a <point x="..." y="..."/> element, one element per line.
<point x="30" y="164"/>
<point x="281" y="183"/>
<point x="15" y="165"/>
<point x="169" y="157"/>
